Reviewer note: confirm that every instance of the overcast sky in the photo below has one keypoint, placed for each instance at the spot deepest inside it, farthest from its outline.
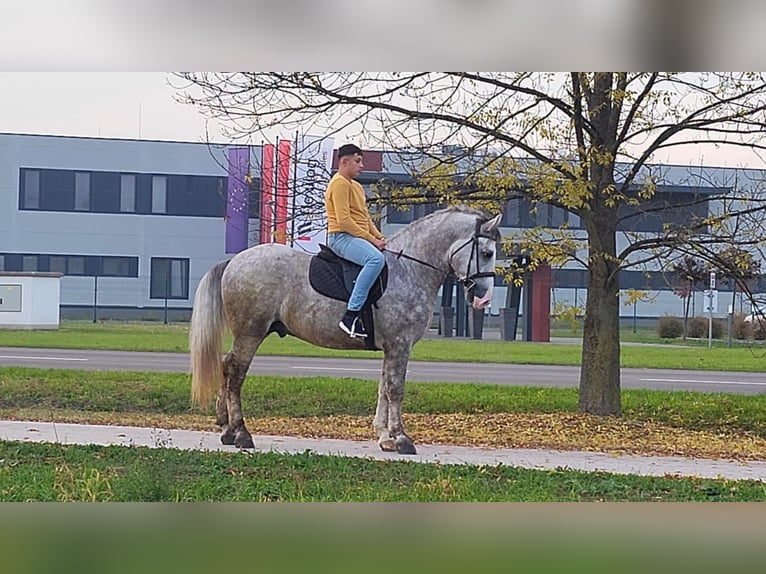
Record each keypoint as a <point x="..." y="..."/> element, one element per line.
<point x="140" y="105"/>
<point x="110" y="105"/>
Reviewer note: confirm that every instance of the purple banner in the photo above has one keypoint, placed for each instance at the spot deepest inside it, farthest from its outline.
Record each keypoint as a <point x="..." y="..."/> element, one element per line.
<point x="237" y="199"/>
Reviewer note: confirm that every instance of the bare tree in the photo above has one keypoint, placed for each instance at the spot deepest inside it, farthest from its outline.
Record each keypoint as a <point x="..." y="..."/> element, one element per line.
<point x="582" y="142"/>
<point x="689" y="271"/>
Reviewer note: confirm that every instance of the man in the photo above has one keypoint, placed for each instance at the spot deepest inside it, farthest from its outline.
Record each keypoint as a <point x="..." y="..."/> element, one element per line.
<point x="351" y="234"/>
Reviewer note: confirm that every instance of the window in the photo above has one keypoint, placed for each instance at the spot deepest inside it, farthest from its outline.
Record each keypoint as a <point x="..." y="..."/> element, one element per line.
<point x="105" y="195"/>
<point x="82" y="191"/>
<point x="169" y="278"/>
<point x="511" y="214"/>
<point x="75" y="265"/>
<point x="115" y="266"/>
<point x="57" y="263"/>
<point x="128" y="193"/>
<point x="31" y="195"/>
<point x="29" y="263"/>
<point x="159" y="194"/>
<point x="2" y="262"/>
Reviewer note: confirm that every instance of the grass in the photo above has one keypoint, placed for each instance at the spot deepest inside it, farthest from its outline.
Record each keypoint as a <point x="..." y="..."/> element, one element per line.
<point x="48" y="472"/>
<point x="174" y="338"/>
<point x="654" y="422"/>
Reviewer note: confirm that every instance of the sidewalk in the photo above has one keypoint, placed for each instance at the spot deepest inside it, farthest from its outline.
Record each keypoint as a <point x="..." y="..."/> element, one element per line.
<point x="65" y="433"/>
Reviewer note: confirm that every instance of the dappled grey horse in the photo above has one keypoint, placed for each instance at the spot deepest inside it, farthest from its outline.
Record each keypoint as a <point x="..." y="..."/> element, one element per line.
<point x="266" y="289"/>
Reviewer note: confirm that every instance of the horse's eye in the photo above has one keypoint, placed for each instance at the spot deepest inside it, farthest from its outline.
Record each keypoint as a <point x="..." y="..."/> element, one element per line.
<point x="487" y="253"/>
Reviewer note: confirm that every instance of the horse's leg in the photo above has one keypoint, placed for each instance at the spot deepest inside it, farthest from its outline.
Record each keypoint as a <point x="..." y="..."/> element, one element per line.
<point x="394" y="373"/>
<point x="385" y="442"/>
<point x="235" y="367"/>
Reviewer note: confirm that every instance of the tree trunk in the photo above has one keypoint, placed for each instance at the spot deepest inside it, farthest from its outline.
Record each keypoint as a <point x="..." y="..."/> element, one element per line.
<point x="600" y="372"/>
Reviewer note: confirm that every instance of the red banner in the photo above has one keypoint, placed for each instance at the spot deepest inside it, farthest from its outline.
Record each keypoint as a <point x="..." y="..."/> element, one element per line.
<point x="267" y="193"/>
<point x="283" y="191"/>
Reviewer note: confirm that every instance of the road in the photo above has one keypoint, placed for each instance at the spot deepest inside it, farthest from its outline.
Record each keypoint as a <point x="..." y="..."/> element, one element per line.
<point x="489" y="373"/>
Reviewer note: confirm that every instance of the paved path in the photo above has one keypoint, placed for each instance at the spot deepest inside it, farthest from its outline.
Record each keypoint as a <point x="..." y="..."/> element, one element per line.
<point x="525" y="458"/>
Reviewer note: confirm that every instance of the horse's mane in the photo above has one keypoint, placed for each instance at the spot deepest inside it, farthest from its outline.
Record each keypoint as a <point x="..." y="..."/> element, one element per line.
<point x="457" y="208"/>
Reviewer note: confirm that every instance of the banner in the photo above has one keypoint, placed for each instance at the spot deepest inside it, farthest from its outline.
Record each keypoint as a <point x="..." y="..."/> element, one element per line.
<point x="237" y="199"/>
<point x="267" y="193"/>
<point x="312" y="174"/>
<point x="283" y="191"/>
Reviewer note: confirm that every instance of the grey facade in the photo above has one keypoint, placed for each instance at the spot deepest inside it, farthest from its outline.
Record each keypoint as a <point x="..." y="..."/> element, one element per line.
<point x="133" y="225"/>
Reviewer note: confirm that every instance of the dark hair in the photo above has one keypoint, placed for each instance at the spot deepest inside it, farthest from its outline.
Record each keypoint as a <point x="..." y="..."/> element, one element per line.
<point x="348" y="149"/>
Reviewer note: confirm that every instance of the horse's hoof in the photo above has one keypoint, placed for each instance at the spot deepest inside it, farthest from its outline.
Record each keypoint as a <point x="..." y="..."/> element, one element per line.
<point x="227" y="438"/>
<point x="387" y="445"/>
<point x="404" y="445"/>
<point x="244" y="440"/>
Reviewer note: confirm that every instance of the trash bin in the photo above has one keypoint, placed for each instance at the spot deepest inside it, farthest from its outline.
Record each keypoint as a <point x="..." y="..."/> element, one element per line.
<point x="447" y="321"/>
<point x="509" y="317"/>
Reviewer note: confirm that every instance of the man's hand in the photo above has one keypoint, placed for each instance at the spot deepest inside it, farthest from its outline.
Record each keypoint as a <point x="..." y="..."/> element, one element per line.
<point x="379" y="243"/>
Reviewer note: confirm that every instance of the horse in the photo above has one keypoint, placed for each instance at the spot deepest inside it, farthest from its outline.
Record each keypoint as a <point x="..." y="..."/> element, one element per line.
<point x="266" y="289"/>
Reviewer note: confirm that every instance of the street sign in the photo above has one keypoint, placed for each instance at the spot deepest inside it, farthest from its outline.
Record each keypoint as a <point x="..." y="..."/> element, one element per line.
<point x="711" y="300"/>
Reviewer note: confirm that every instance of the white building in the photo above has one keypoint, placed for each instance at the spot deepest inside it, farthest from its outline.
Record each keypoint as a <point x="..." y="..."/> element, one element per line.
<point x="133" y="225"/>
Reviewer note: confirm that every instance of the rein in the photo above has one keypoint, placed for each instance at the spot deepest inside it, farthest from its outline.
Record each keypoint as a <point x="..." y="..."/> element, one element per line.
<point x="467" y="281"/>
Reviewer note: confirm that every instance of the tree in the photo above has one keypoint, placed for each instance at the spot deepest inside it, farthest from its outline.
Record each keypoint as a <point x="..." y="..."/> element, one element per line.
<point x="736" y="266"/>
<point x="689" y="271"/>
<point x="582" y="142"/>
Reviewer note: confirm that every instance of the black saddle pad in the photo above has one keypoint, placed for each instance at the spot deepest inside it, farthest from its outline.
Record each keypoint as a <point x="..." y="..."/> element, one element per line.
<point x="334" y="277"/>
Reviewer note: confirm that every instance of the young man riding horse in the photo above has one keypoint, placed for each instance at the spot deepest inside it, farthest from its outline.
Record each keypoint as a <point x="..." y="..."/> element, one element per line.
<point x="351" y="234"/>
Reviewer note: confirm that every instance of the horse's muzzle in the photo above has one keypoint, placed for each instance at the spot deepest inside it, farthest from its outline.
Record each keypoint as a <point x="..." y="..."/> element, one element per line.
<point x="478" y="303"/>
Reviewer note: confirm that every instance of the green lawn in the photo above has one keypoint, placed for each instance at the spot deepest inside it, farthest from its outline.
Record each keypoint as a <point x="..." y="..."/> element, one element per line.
<point x="48" y="472"/>
<point x="174" y="338"/>
<point x="40" y="472"/>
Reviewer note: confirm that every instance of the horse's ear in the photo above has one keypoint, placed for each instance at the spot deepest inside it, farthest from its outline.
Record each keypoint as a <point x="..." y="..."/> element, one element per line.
<point x="492" y="224"/>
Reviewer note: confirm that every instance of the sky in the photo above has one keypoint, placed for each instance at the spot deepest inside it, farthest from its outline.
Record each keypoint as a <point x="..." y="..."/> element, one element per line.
<point x="141" y="105"/>
<point x="133" y="105"/>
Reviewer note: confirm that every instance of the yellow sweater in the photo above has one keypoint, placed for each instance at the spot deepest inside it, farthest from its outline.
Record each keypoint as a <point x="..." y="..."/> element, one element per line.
<point x="346" y="208"/>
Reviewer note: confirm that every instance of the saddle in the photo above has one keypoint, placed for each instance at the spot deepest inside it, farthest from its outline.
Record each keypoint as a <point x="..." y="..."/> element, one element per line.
<point x="334" y="277"/>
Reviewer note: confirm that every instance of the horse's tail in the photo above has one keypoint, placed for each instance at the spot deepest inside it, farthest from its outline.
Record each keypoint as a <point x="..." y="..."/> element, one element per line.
<point x="205" y="337"/>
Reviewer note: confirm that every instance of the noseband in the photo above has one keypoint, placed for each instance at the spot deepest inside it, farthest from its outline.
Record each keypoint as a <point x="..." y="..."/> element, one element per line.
<point x="467" y="281"/>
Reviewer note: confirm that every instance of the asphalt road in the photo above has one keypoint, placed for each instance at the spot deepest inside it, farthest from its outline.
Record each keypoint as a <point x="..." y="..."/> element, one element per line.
<point x="489" y="373"/>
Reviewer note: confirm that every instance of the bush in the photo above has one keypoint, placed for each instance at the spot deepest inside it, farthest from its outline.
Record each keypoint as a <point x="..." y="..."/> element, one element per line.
<point x="670" y="327"/>
<point x="740" y="329"/>
<point x="759" y="330"/>
<point x="697" y="328"/>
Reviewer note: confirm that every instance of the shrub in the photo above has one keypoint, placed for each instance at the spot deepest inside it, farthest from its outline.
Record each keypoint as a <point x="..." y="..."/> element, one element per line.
<point x="698" y="328"/>
<point x="740" y="329"/>
<point x="759" y="330"/>
<point x="670" y="327"/>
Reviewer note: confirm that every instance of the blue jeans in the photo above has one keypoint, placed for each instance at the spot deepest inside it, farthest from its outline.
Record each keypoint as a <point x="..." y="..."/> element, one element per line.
<point x="361" y="252"/>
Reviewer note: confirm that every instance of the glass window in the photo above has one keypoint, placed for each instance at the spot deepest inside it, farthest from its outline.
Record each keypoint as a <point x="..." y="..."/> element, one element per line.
<point x="159" y="194"/>
<point x="57" y="263"/>
<point x="82" y="191"/>
<point x="511" y="214"/>
<point x="115" y="266"/>
<point x="31" y="199"/>
<point x="76" y="265"/>
<point x="2" y="262"/>
<point x="395" y="214"/>
<point x="128" y="193"/>
<point x="558" y="216"/>
<point x="169" y="278"/>
<point x="574" y="221"/>
<point x="29" y="263"/>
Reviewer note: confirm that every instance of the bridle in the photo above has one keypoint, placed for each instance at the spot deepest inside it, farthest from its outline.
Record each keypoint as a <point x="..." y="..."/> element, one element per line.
<point x="467" y="281"/>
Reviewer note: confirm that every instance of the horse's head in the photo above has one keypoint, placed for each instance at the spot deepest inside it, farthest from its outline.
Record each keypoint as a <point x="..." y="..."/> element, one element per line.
<point x="473" y="262"/>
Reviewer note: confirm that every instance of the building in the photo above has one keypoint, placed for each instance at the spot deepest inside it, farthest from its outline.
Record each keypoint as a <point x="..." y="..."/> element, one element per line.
<point x="133" y="225"/>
